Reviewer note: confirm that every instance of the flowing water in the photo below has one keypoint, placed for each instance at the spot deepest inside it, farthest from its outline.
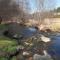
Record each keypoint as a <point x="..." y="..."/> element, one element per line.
<point x="54" y="49"/>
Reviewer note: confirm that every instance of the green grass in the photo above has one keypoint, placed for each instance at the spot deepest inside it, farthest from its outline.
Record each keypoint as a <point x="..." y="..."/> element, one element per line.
<point x="7" y="44"/>
<point x="10" y="49"/>
<point x="14" y="58"/>
<point x="6" y="41"/>
<point x="3" y="58"/>
<point x="3" y="26"/>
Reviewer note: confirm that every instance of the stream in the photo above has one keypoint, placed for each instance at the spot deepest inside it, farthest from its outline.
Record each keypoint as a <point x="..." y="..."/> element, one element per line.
<point x="54" y="48"/>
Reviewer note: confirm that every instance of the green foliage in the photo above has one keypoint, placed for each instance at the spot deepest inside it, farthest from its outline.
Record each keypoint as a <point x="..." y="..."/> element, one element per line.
<point x="58" y="9"/>
<point x="3" y="58"/>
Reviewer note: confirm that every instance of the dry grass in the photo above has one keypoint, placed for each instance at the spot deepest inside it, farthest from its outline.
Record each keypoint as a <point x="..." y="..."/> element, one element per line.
<point x="55" y="26"/>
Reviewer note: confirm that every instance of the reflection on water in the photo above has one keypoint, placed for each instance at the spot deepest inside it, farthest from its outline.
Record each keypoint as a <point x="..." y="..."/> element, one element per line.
<point x="18" y="30"/>
<point x="28" y="32"/>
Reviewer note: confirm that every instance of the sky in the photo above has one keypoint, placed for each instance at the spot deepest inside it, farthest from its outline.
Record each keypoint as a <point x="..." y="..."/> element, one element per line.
<point x="33" y="6"/>
<point x="57" y="3"/>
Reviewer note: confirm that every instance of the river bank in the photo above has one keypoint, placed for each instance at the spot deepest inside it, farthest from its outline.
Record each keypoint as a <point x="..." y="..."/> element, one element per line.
<point x="32" y="42"/>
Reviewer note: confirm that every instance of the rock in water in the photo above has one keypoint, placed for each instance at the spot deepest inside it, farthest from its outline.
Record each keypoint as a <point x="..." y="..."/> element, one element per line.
<point x="45" y="39"/>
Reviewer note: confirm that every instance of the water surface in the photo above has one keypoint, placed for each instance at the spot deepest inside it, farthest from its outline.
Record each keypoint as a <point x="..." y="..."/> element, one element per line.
<point x="54" y="49"/>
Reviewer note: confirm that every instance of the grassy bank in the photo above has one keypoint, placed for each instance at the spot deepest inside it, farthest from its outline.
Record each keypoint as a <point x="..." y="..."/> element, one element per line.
<point x="55" y="27"/>
<point x="7" y="45"/>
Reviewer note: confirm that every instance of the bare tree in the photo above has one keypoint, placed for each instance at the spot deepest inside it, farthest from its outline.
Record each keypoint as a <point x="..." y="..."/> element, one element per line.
<point x="45" y="4"/>
<point x="43" y="10"/>
<point x="9" y="9"/>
